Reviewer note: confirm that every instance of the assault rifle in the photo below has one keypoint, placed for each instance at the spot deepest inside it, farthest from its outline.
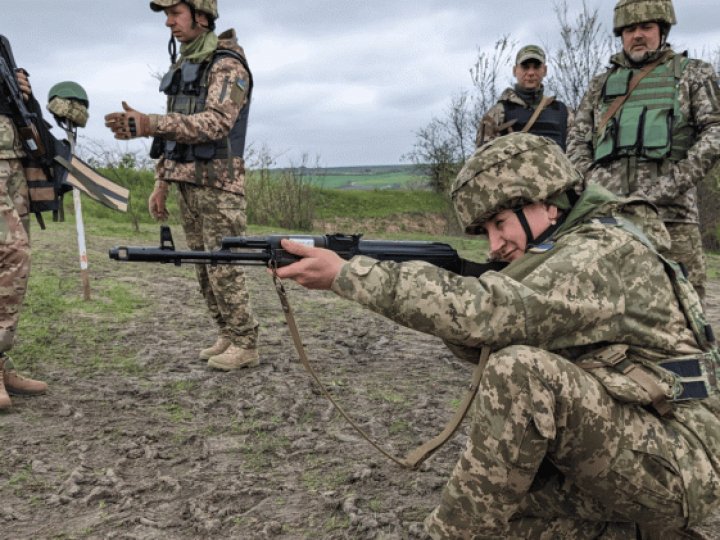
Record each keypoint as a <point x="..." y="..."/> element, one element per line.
<point x="266" y="251"/>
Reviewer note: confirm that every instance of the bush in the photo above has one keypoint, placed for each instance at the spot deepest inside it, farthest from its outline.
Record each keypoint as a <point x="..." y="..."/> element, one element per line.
<point x="708" y="196"/>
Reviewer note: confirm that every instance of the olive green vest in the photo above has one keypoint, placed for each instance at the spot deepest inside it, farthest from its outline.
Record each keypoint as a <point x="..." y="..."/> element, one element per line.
<point x="650" y="124"/>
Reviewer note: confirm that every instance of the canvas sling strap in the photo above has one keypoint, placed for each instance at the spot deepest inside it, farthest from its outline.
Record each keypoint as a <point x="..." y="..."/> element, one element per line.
<point x="414" y="458"/>
<point x="545" y="102"/>
<point x="620" y="100"/>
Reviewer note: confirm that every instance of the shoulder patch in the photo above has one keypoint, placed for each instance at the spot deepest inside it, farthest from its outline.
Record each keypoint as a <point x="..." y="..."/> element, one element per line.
<point x="542" y="248"/>
<point x="239" y="91"/>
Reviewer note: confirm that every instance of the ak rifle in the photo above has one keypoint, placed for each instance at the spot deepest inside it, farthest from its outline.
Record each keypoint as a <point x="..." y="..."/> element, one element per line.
<point x="267" y="251"/>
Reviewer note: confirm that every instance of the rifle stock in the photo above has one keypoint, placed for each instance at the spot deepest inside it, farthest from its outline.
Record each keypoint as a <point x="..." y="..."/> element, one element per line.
<point x="266" y="251"/>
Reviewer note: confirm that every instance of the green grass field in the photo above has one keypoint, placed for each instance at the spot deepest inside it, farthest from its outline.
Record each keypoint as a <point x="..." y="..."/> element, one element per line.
<point x="377" y="177"/>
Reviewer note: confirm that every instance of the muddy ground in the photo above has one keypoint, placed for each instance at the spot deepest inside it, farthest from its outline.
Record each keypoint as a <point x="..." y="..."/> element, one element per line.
<point x="162" y="447"/>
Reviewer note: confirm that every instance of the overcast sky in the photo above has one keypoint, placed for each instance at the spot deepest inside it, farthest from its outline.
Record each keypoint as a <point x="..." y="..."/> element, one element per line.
<point x="349" y="81"/>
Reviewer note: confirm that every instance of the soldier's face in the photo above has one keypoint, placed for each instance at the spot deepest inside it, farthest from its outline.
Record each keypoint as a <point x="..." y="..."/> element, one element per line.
<point x="506" y="235"/>
<point x="640" y="39"/>
<point x="530" y="74"/>
<point x="180" y="21"/>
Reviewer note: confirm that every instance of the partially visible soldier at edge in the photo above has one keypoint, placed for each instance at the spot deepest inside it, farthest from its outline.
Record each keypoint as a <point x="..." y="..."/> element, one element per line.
<point x="664" y="136"/>
<point x="200" y="144"/>
<point x="517" y="107"/>
<point x="584" y="424"/>
<point x="14" y="249"/>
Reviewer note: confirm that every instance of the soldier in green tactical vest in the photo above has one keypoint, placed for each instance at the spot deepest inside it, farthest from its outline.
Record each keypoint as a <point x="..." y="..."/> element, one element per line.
<point x="200" y="146"/>
<point x="650" y="126"/>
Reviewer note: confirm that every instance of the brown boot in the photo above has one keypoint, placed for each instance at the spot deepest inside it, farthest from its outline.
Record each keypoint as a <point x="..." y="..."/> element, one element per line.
<point x="5" y="402"/>
<point x="219" y="347"/>
<point x="235" y="357"/>
<point x="17" y="384"/>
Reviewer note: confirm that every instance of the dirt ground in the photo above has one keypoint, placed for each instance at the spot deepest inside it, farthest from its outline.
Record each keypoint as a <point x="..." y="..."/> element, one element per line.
<point x="170" y="449"/>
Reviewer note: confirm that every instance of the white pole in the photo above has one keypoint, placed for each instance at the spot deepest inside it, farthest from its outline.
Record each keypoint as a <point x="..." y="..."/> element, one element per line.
<point x="80" y="227"/>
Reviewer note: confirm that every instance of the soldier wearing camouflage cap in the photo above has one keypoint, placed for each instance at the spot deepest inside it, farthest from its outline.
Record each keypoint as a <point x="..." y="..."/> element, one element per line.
<point x="584" y="425"/>
<point x="14" y="247"/>
<point x="650" y="126"/>
<point x="524" y="107"/>
<point x="200" y="145"/>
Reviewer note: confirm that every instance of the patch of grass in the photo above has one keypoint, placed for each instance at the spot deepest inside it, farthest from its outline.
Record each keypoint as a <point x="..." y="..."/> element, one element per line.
<point x="56" y="322"/>
<point x="390" y="396"/>
<point x="398" y="427"/>
<point x="335" y="522"/>
<point x="177" y="413"/>
<point x="259" y="450"/>
<point x="713" y="265"/>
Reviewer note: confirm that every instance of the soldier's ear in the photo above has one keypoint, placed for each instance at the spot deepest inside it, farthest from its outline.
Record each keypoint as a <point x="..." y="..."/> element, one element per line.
<point x="544" y="70"/>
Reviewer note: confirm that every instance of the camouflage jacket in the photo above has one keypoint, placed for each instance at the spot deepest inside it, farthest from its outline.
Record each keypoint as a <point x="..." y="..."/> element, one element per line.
<point x="215" y="122"/>
<point x="10" y="145"/>
<point x="669" y="185"/>
<point x="597" y="285"/>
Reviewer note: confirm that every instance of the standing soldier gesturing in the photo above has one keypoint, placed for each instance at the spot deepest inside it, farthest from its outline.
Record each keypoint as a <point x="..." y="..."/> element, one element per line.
<point x="200" y="144"/>
<point x="650" y="126"/>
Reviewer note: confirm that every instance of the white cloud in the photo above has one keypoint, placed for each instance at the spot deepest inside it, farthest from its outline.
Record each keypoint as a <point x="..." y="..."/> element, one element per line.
<point x="346" y="80"/>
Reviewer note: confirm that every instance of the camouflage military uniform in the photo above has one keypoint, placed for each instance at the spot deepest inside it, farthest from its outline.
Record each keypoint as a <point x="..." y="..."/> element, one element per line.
<point x="562" y="445"/>
<point x="14" y="233"/>
<point x="212" y="194"/>
<point x="668" y="183"/>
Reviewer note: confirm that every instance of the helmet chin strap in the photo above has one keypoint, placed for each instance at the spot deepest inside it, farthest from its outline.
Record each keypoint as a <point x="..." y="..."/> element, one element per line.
<point x="531" y="239"/>
<point x="519" y="212"/>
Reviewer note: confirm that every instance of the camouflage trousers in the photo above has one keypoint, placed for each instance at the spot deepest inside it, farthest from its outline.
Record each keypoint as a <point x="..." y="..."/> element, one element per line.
<point x="552" y="455"/>
<point x="687" y="248"/>
<point x="208" y="214"/>
<point x="14" y="248"/>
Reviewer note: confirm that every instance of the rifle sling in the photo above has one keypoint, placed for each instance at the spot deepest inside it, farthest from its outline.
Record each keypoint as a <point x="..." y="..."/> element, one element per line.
<point x="620" y="100"/>
<point x="544" y="102"/>
<point x="414" y="458"/>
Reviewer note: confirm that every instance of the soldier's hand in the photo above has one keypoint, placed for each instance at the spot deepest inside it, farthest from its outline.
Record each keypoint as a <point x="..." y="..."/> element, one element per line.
<point x="316" y="270"/>
<point x="128" y="124"/>
<point x="24" y="83"/>
<point x="156" y="204"/>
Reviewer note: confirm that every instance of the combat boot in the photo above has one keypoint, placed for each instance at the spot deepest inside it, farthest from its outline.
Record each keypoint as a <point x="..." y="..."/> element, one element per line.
<point x="219" y="347"/>
<point x="235" y="358"/>
<point x="5" y="401"/>
<point x="17" y="384"/>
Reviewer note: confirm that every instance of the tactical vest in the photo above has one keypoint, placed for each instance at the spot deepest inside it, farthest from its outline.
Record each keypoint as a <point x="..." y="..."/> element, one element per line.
<point x="186" y="86"/>
<point x="551" y="123"/>
<point x="695" y="376"/>
<point x="650" y="124"/>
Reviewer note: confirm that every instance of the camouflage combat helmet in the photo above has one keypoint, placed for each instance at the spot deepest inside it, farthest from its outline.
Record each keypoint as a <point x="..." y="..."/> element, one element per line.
<point x="68" y="101"/>
<point x="206" y="6"/>
<point x="507" y="173"/>
<point x="629" y="12"/>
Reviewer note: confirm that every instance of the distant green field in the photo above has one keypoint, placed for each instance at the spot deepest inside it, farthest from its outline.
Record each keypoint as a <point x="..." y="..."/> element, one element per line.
<point x="371" y="177"/>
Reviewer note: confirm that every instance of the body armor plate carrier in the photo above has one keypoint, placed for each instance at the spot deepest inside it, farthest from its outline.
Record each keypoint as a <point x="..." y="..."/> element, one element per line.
<point x="551" y="123"/>
<point x="186" y="85"/>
